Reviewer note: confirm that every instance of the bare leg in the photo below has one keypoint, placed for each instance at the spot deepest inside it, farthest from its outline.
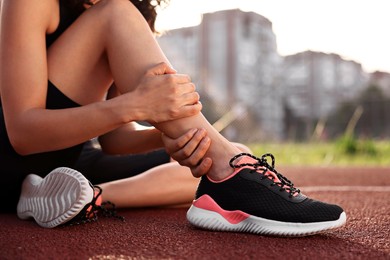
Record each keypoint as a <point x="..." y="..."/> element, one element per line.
<point x="112" y="40"/>
<point x="166" y="185"/>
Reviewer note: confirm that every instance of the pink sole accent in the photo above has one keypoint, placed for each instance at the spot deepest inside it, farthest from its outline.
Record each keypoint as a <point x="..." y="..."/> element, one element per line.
<point x="207" y="203"/>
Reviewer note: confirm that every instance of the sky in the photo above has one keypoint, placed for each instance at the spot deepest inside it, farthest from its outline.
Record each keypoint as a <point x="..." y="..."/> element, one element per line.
<point x="355" y="29"/>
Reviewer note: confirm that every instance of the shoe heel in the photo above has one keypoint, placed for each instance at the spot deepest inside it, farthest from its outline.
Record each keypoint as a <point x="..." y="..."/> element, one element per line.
<point x="207" y="214"/>
<point x="55" y="199"/>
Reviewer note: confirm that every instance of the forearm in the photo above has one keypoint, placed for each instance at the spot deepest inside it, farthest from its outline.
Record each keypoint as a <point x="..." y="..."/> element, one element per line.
<point x="127" y="140"/>
<point x="42" y="130"/>
<point x="175" y="128"/>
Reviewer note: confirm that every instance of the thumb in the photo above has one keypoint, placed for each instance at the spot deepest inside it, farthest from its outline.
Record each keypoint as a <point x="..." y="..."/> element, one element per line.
<point x="161" y="69"/>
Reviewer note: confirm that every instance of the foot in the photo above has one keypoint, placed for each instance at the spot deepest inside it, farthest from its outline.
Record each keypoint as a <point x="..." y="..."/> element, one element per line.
<point x="55" y="199"/>
<point x="258" y="199"/>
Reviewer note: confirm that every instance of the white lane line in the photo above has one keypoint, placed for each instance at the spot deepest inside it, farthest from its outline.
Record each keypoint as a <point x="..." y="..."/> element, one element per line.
<point x="346" y="188"/>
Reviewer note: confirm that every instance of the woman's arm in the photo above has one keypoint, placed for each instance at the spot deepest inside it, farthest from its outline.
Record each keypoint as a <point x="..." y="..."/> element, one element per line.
<point x="31" y="127"/>
<point x="130" y="139"/>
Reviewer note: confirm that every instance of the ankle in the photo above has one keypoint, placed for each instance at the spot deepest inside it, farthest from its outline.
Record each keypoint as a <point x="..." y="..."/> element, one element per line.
<point x="220" y="173"/>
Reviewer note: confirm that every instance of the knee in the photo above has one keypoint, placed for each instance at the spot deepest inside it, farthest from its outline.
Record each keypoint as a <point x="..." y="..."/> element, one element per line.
<point x="118" y="9"/>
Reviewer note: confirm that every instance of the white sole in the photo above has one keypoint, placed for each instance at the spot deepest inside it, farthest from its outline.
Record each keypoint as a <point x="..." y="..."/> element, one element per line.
<point x="55" y="199"/>
<point x="211" y="220"/>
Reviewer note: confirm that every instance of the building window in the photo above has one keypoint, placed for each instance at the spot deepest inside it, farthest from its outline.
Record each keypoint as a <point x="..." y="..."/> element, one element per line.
<point x="246" y="26"/>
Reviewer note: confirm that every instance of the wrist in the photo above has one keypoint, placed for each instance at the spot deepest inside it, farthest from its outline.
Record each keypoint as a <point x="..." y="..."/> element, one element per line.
<point x="126" y="111"/>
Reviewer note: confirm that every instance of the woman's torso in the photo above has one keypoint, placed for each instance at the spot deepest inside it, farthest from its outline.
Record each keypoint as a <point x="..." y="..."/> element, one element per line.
<point x="42" y="163"/>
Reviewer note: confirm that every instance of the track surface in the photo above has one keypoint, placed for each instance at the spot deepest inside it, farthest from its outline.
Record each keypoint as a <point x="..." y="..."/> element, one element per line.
<point x="364" y="193"/>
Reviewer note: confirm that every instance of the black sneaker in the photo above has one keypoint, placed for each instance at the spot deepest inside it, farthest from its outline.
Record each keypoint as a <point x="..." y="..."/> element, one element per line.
<point x="96" y="207"/>
<point x="258" y="199"/>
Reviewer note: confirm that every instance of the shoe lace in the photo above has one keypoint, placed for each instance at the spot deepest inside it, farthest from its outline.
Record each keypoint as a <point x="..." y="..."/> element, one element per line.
<point x="268" y="171"/>
<point x="91" y="210"/>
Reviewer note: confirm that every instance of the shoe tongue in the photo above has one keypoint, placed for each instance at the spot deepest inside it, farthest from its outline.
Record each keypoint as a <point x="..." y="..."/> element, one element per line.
<point x="246" y="159"/>
<point x="249" y="160"/>
<point x="270" y="174"/>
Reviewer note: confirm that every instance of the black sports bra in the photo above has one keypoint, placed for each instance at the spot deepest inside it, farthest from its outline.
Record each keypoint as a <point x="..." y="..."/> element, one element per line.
<point x="55" y="98"/>
<point x="67" y="17"/>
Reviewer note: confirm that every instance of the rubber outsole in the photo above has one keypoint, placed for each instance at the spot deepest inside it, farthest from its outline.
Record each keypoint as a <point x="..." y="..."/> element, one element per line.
<point x="211" y="220"/>
<point x="55" y="199"/>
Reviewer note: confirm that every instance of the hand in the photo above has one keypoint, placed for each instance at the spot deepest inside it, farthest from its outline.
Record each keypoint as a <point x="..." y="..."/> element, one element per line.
<point x="189" y="150"/>
<point x="164" y="95"/>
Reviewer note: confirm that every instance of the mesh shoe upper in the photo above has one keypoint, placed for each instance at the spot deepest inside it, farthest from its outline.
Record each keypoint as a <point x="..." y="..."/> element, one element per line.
<point x="253" y="191"/>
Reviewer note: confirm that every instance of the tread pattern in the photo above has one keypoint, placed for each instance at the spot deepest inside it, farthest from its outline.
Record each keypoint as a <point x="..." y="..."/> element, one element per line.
<point x="55" y="199"/>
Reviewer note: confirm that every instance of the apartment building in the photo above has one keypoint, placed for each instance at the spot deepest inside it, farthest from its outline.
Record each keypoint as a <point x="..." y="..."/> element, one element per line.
<point x="232" y="56"/>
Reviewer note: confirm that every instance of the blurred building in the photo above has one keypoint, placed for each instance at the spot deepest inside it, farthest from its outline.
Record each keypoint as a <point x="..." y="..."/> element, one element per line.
<point x="316" y="83"/>
<point x="232" y="56"/>
<point x="382" y="80"/>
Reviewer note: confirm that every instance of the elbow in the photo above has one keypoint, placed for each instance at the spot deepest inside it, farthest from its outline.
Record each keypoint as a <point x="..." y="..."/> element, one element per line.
<point x="19" y="142"/>
<point x="19" y="136"/>
<point x="20" y="147"/>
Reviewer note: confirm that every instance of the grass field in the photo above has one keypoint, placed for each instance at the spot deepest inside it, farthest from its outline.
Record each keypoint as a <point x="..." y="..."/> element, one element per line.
<point x="338" y="153"/>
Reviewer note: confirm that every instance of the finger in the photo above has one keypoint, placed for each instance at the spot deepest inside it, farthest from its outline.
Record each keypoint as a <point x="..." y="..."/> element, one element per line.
<point x="161" y="69"/>
<point x="202" y="168"/>
<point x="190" y="110"/>
<point x="199" y="153"/>
<point x="186" y="88"/>
<point x="196" y="158"/>
<point x="194" y="150"/>
<point x="190" y="99"/>
<point x="174" y="145"/>
<point x="178" y="78"/>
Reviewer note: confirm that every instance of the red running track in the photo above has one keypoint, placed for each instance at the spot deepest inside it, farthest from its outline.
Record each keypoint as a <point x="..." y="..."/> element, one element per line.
<point x="165" y="234"/>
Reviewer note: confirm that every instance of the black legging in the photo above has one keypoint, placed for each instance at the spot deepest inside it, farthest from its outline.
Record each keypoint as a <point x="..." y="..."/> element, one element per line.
<point x="99" y="167"/>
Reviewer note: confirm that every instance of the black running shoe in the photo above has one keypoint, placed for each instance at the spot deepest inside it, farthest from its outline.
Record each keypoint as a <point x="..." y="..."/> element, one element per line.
<point x="92" y="210"/>
<point x="257" y="199"/>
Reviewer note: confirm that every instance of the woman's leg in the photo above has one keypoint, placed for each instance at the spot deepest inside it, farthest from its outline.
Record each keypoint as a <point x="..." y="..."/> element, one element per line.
<point x="168" y="184"/>
<point x="165" y="185"/>
<point x="112" y="41"/>
<point x="100" y="167"/>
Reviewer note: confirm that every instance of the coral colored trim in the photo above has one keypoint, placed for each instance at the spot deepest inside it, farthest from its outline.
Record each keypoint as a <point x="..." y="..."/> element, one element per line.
<point x="97" y="203"/>
<point x="99" y="199"/>
<point x="207" y="203"/>
<point x="244" y="159"/>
